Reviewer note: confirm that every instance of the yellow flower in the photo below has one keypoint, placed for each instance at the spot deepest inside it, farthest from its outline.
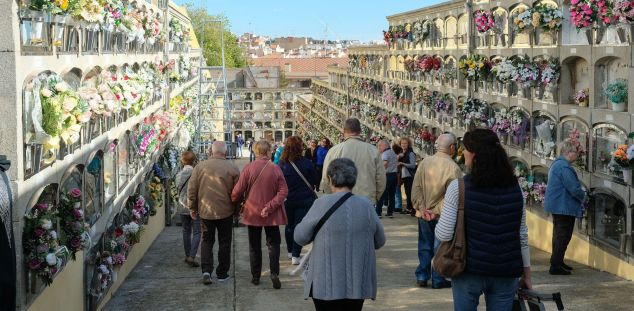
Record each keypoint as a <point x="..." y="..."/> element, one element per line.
<point x="536" y="19"/>
<point x="481" y="65"/>
<point x="471" y="66"/>
<point x="521" y="25"/>
<point x="63" y="4"/>
<point x="521" y="10"/>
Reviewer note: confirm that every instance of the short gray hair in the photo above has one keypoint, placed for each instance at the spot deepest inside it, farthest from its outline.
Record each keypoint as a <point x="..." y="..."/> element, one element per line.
<point x="445" y="140"/>
<point x="219" y="147"/>
<point x="352" y="126"/>
<point x="567" y="147"/>
<point x="342" y="173"/>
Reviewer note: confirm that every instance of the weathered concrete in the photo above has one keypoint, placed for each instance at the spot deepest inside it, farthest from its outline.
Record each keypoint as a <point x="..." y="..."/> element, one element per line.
<point x="162" y="281"/>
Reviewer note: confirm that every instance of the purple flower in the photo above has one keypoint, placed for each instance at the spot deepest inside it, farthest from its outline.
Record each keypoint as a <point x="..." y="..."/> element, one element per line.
<point x="42" y="248"/>
<point x="75" y="243"/>
<point x="39" y="232"/>
<point x="34" y="264"/>
<point x="42" y="206"/>
<point x="77" y="213"/>
<point x="75" y="193"/>
<point x="53" y="270"/>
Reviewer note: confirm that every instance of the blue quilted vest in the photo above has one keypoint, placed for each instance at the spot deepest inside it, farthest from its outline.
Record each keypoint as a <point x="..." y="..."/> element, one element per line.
<point x="492" y="224"/>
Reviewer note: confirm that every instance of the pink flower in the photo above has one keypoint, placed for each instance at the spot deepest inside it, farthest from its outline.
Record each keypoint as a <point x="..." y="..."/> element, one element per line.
<point x="39" y="232"/>
<point x="34" y="264"/>
<point x="75" y="193"/>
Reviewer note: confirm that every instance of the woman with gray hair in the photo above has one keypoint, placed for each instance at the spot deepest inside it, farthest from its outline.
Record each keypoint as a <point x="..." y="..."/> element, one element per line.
<point x="342" y="267"/>
<point x="564" y="197"/>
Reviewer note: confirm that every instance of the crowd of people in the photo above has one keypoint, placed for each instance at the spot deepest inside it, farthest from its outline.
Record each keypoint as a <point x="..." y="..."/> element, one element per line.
<point x="334" y="196"/>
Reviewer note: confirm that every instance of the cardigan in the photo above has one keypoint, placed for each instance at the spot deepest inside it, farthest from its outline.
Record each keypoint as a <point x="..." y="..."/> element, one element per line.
<point x="342" y="264"/>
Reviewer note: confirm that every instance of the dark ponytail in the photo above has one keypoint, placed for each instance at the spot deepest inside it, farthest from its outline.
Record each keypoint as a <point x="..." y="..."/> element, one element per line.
<point x="491" y="167"/>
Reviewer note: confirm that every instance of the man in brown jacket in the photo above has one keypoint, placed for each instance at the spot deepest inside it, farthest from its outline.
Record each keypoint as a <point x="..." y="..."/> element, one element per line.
<point x="428" y="193"/>
<point x="209" y="193"/>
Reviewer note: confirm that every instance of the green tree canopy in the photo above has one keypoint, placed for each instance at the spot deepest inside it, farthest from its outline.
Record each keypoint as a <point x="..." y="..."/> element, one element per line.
<point x="209" y="37"/>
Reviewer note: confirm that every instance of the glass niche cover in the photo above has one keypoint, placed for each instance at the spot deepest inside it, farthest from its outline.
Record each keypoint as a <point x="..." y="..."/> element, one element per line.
<point x="608" y="218"/>
<point x="607" y="138"/>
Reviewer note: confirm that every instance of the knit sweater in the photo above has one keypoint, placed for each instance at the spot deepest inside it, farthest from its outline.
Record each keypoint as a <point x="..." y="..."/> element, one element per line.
<point x="342" y="261"/>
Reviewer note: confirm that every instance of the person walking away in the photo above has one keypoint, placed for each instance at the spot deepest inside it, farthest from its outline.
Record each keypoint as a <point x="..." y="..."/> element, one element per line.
<point x="407" y="167"/>
<point x="389" y="194"/>
<point x="398" y="196"/>
<point x="428" y="191"/>
<point x="190" y="242"/>
<point x="209" y="195"/>
<point x="371" y="178"/>
<point x="240" y="142"/>
<point x="497" y="251"/>
<point x="278" y="154"/>
<point x="564" y="199"/>
<point x="322" y="151"/>
<point x="342" y="270"/>
<point x="263" y="189"/>
<point x="300" y="177"/>
<point x="251" y="153"/>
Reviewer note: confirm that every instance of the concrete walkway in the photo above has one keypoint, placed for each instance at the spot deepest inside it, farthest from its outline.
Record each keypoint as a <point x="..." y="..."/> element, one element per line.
<point x="162" y="281"/>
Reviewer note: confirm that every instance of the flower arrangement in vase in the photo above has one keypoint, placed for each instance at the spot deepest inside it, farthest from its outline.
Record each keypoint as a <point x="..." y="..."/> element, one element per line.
<point x="42" y="251"/>
<point x="519" y="128"/>
<point x="581" y="98"/>
<point x="549" y="76"/>
<point x="483" y="21"/>
<point x="583" y="13"/>
<point x="475" y="67"/>
<point x="55" y="7"/>
<point x="550" y="17"/>
<point x="616" y="91"/>
<point x="623" y="11"/>
<point x="523" y="19"/>
<point x="502" y="124"/>
<point x="474" y="112"/>
<point x="526" y="75"/>
<point x="444" y="107"/>
<point x="624" y="157"/>
<point x="538" y="192"/>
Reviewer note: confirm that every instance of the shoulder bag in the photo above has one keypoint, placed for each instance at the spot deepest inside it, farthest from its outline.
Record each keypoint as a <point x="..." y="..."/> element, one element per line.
<point x="450" y="258"/>
<point x="303" y="264"/>
<point x="304" y="179"/>
<point x="246" y="194"/>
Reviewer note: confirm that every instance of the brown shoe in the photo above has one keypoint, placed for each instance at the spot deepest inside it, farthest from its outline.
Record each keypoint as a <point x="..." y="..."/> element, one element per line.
<point x="192" y="262"/>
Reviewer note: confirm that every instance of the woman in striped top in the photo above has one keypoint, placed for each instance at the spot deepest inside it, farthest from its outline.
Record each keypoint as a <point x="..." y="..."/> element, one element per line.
<point x="495" y="226"/>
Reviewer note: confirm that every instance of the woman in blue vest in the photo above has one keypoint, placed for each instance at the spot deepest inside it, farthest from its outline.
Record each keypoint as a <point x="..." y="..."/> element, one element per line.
<point x="498" y="258"/>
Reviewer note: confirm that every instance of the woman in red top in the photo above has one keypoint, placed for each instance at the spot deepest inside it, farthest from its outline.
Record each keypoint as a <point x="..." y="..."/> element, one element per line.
<point x="263" y="184"/>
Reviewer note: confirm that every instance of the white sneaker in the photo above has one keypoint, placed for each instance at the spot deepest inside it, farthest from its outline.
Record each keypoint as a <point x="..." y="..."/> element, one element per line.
<point x="290" y="255"/>
<point x="295" y="260"/>
<point x="207" y="278"/>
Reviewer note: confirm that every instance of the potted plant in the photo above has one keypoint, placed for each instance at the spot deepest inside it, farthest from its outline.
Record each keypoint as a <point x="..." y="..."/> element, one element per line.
<point x="624" y="157"/>
<point x="617" y="93"/>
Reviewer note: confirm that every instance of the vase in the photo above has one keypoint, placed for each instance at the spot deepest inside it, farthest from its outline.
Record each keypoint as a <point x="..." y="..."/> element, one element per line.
<point x="549" y="92"/>
<point x="619" y="107"/>
<point x="627" y="176"/>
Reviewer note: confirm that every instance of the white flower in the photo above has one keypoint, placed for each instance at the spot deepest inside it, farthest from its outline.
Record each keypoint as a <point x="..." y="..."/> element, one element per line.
<point x="47" y="224"/>
<point x="113" y="244"/>
<point x="630" y="152"/>
<point x="109" y="259"/>
<point x="61" y="87"/>
<point x="103" y="269"/>
<point x="46" y="93"/>
<point x="51" y="259"/>
<point x="131" y="228"/>
<point x="53" y="235"/>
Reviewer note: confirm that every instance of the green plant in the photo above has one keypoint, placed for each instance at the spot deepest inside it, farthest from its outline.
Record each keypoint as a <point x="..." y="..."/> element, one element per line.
<point x="617" y="91"/>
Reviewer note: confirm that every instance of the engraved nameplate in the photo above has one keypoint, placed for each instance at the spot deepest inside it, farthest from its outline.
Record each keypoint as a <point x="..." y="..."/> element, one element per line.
<point x="544" y="107"/>
<point x="607" y="184"/>
<point x="609" y="50"/>
<point x="573" y="51"/>
<point x="573" y="111"/>
<point x="542" y="161"/>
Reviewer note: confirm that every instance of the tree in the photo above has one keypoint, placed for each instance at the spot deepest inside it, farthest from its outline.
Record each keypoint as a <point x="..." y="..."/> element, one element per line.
<point x="209" y="37"/>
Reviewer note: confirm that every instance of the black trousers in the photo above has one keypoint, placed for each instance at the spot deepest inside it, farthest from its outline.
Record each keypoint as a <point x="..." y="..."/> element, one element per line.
<point x="225" y="230"/>
<point x="563" y="226"/>
<point x="338" y="305"/>
<point x="273" y="240"/>
<point x="320" y="172"/>
<point x="408" y="182"/>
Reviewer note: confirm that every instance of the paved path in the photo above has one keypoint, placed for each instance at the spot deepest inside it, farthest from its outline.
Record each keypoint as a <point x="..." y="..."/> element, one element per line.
<point x="162" y="281"/>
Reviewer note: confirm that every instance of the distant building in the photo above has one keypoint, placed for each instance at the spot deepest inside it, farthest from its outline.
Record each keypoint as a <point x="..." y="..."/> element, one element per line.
<point x="299" y="71"/>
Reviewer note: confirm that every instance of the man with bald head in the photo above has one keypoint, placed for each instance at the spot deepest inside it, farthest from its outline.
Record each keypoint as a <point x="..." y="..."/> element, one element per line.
<point x="428" y="192"/>
<point x="209" y="194"/>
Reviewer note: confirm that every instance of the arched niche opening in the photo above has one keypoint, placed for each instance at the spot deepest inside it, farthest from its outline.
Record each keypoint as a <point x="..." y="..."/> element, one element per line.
<point x="439" y="32"/>
<point x="519" y="37"/>
<point x="451" y="26"/>
<point x="463" y="30"/>
<point x="94" y="185"/>
<point x="124" y="156"/>
<point x="569" y="34"/>
<point x="606" y="138"/>
<point x="607" y="218"/>
<point x="544" y="134"/>
<point x="520" y="128"/>
<point x="578" y="132"/>
<point x="450" y="72"/>
<point x="538" y="181"/>
<point x="501" y="27"/>
<point x="500" y="122"/>
<point x="547" y="36"/>
<point x="609" y="72"/>
<point x="575" y="77"/>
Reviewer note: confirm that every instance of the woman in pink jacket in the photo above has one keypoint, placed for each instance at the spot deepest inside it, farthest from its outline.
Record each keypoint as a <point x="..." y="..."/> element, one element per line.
<point x="262" y="184"/>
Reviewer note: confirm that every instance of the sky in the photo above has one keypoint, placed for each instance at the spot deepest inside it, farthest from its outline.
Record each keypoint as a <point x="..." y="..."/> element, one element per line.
<point x="344" y="19"/>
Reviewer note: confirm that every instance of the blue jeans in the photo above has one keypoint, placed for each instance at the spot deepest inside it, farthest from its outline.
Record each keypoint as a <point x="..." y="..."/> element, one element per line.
<point x="239" y="151"/>
<point x="399" y="200"/>
<point x="498" y="292"/>
<point x="427" y="246"/>
<point x="389" y="195"/>
<point x="191" y="241"/>
<point x="251" y="155"/>
<point x="295" y="211"/>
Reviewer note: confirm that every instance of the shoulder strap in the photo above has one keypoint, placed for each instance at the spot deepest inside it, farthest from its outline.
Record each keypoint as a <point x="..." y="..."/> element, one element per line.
<point x="330" y="212"/>
<point x="302" y="176"/>
<point x="184" y="184"/>
<point x="246" y="195"/>
<point x="459" y="236"/>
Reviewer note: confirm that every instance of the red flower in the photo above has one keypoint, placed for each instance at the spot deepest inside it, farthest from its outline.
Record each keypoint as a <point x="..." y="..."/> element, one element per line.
<point x="118" y="232"/>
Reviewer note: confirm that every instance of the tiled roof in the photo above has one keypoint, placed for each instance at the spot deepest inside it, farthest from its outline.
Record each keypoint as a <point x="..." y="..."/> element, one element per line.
<point x="301" y="67"/>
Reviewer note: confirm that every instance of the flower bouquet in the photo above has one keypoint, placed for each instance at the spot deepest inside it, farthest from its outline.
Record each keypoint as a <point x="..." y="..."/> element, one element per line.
<point x="573" y="137"/>
<point x="72" y="220"/>
<point x="550" y="18"/>
<point x="616" y="91"/>
<point x="519" y="128"/>
<point x="475" y="67"/>
<point x="526" y="74"/>
<point x="538" y="192"/>
<point x="581" y="98"/>
<point x="549" y="71"/>
<point x="523" y="19"/>
<point x="42" y="251"/>
<point x="504" y="71"/>
<point x="474" y="112"/>
<point x="623" y="11"/>
<point x="483" y="21"/>
<point x="624" y="157"/>
<point x="583" y="13"/>
<point x="502" y="124"/>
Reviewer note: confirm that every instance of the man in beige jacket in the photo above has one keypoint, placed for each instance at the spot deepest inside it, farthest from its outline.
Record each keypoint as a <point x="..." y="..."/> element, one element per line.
<point x="371" y="172"/>
<point x="428" y="192"/>
<point x="209" y="193"/>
